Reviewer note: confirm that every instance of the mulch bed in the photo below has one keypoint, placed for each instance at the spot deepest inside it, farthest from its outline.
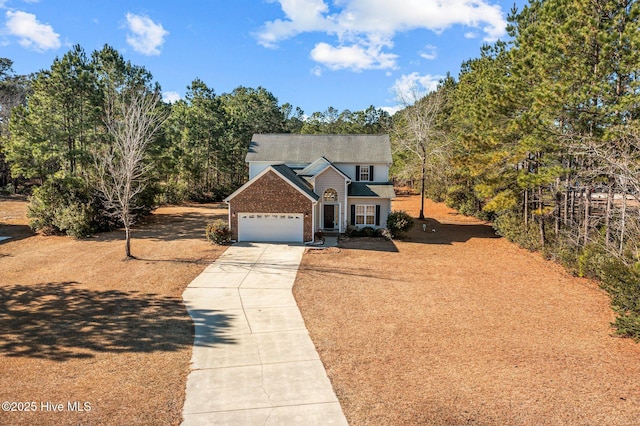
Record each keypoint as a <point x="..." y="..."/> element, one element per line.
<point x="454" y="326"/>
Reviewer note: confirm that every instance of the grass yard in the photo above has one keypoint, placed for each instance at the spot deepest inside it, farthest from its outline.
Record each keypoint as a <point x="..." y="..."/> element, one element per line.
<point x="458" y="327"/>
<point x="449" y="327"/>
<point x="79" y="324"/>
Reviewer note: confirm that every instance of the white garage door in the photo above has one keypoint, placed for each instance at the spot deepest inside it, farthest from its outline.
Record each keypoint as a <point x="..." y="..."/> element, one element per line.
<point x="280" y="227"/>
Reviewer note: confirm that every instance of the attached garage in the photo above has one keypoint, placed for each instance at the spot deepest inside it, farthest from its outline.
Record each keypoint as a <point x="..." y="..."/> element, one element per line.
<point x="274" y="227"/>
<point x="275" y="206"/>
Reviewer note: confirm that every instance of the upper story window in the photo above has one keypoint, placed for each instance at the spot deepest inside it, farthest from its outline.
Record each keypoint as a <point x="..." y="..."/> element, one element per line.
<point x="330" y="195"/>
<point x="364" y="173"/>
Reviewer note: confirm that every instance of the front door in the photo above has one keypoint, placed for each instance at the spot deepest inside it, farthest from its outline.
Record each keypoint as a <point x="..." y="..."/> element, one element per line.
<point x="329" y="216"/>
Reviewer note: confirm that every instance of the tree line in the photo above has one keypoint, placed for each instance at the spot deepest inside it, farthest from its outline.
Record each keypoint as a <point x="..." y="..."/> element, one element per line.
<point x="541" y="135"/>
<point x="56" y="130"/>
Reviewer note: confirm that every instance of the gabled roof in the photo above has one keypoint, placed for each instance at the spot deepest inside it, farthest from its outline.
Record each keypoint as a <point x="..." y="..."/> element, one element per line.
<point x="315" y="167"/>
<point x="300" y="149"/>
<point x="296" y="180"/>
<point x="318" y="167"/>
<point x="372" y="189"/>
<point x="285" y="173"/>
<point x="331" y="166"/>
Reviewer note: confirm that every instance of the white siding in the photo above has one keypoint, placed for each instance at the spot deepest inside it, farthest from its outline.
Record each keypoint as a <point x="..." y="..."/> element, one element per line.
<point x="255" y="168"/>
<point x="380" y="171"/>
<point x="331" y="179"/>
<point x="385" y="208"/>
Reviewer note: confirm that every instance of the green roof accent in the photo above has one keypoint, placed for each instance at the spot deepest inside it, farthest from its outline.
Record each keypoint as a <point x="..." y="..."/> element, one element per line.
<point x="371" y="189"/>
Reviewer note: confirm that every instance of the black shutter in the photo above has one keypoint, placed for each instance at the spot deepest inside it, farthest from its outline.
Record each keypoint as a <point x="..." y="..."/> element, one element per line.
<point x="377" y="213"/>
<point x="357" y="173"/>
<point x="371" y="173"/>
<point x="353" y="214"/>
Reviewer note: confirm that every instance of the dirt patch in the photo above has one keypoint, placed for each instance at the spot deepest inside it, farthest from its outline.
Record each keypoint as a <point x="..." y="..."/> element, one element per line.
<point x="79" y="324"/>
<point x="454" y="326"/>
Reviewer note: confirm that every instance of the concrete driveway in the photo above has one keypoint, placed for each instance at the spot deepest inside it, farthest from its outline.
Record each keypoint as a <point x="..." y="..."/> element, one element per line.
<point x="253" y="361"/>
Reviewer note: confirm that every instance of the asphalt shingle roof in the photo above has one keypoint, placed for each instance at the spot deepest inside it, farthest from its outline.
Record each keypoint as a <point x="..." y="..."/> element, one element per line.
<point x="300" y="149"/>
<point x="292" y="177"/>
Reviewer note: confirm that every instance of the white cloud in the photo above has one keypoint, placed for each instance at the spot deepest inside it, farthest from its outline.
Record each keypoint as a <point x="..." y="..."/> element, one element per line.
<point x="145" y="36"/>
<point x="170" y="97"/>
<point x="354" y="57"/>
<point x="302" y="16"/>
<point x="392" y="110"/>
<point x="437" y="16"/>
<point x="365" y="27"/>
<point x="409" y="88"/>
<point x="32" y="34"/>
<point x="429" y="52"/>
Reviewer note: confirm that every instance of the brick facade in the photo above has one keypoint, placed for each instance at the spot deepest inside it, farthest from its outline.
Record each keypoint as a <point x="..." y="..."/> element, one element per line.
<point x="271" y="194"/>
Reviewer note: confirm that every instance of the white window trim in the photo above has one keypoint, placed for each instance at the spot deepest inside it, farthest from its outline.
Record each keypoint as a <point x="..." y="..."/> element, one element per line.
<point x="365" y="170"/>
<point x="368" y="212"/>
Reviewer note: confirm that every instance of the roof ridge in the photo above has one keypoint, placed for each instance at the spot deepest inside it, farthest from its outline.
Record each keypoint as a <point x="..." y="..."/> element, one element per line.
<point x="307" y="148"/>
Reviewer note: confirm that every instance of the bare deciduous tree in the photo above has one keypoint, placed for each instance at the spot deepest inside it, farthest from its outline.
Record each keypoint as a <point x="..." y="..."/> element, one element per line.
<point x="132" y="117"/>
<point x="614" y="165"/>
<point x="418" y="134"/>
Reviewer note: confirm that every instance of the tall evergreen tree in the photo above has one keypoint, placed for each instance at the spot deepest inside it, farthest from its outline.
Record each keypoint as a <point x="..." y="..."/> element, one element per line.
<point x="13" y="93"/>
<point x="247" y="111"/>
<point x="54" y="132"/>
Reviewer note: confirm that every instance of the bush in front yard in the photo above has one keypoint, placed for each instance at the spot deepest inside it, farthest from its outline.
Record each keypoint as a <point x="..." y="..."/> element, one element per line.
<point x="64" y="205"/>
<point x="75" y="219"/>
<point x="398" y="223"/>
<point x="367" y="231"/>
<point x="218" y="232"/>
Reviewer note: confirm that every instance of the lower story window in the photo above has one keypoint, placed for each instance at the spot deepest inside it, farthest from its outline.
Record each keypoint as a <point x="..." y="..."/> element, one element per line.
<point x="365" y="215"/>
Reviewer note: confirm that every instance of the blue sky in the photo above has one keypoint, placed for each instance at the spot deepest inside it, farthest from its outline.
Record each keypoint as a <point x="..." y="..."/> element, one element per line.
<point x="347" y="54"/>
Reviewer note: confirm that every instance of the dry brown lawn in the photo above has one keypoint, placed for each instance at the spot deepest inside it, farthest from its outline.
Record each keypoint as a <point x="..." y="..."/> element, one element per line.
<point x="458" y="327"/>
<point x="80" y="324"/>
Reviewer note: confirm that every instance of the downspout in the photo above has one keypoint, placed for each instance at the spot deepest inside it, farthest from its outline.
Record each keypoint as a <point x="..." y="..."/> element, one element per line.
<point x="313" y="223"/>
<point x="229" y="214"/>
<point x="341" y="228"/>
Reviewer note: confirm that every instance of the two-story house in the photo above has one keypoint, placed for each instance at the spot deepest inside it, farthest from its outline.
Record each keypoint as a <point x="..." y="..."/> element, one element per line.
<point x="300" y="184"/>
